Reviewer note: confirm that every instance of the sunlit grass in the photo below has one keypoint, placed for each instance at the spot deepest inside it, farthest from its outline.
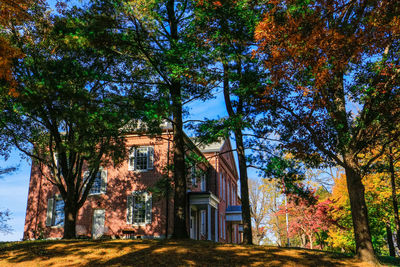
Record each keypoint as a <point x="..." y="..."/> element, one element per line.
<point x="166" y="253"/>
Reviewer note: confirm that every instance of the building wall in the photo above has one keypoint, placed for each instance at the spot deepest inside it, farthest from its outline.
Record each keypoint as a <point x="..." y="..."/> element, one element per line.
<point x="121" y="182"/>
<point x="223" y="164"/>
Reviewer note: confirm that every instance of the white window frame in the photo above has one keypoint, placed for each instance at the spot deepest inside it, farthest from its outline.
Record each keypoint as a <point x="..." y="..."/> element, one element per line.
<point x="148" y="208"/>
<point x="52" y="212"/>
<point x="102" y="175"/>
<point x="133" y="154"/>
<point x="203" y="183"/>
<point x="228" y="190"/>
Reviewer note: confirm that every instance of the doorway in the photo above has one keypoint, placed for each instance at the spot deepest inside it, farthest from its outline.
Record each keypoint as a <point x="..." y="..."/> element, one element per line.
<point x="98" y="223"/>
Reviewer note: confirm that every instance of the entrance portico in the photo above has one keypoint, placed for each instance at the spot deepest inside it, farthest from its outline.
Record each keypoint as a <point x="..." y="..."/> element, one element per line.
<point x="203" y="210"/>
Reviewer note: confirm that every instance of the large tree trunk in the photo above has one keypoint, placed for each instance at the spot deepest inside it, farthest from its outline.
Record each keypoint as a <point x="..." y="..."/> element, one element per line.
<point x="389" y="236"/>
<point x="359" y="212"/>
<point x="69" y="221"/>
<point x="394" y="197"/>
<point x="180" y="230"/>
<point x="244" y="186"/>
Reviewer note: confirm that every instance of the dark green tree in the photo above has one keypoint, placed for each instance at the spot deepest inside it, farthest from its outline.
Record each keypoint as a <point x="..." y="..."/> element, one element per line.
<point x="161" y="32"/>
<point x="228" y="30"/>
<point x="67" y="110"/>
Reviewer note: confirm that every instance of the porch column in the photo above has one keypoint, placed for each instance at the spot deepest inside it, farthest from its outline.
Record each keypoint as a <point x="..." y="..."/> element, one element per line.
<point x="216" y="225"/>
<point x="209" y="221"/>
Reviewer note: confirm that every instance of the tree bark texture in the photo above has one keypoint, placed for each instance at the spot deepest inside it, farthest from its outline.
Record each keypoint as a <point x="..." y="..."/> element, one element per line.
<point x="244" y="186"/>
<point x="389" y="237"/>
<point x="359" y="212"/>
<point x="180" y="211"/>
<point x="69" y="221"/>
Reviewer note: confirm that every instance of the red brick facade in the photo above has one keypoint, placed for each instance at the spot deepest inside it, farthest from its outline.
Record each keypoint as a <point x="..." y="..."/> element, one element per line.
<point x="122" y="182"/>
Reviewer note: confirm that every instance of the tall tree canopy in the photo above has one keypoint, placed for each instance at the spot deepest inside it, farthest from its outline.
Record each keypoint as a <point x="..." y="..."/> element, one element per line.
<point x="159" y="35"/>
<point x="66" y="110"/>
<point x="335" y="86"/>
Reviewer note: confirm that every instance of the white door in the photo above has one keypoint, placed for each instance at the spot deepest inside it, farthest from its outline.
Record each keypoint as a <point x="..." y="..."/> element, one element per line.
<point x="192" y="228"/>
<point x="98" y="223"/>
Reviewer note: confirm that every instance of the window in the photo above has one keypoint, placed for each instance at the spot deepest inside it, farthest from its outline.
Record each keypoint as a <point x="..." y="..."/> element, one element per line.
<point x="55" y="211"/>
<point x="220" y="185"/>
<point x="100" y="182"/>
<point x="203" y="222"/>
<point x="228" y="201"/>
<point x="139" y="208"/>
<point x="224" y="187"/>
<point x="224" y="229"/>
<point x="233" y="195"/>
<point x="203" y="183"/>
<point x="141" y="158"/>
<point x="220" y="226"/>
<point x="193" y="175"/>
<point x="96" y="187"/>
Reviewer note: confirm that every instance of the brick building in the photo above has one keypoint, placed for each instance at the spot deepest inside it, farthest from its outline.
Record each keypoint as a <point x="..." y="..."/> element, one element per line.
<point x="120" y="204"/>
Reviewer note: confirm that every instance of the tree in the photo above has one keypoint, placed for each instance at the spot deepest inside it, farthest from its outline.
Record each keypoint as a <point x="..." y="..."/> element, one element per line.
<point x="259" y="207"/>
<point x="307" y="218"/>
<point x="228" y="28"/>
<point x="66" y="111"/>
<point x="162" y="34"/>
<point x="329" y="60"/>
<point x="378" y="199"/>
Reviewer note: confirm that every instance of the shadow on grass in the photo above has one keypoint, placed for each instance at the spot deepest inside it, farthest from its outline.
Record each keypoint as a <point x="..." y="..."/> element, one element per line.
<point x="203" y="253"/>
<point x="167" y="253"/>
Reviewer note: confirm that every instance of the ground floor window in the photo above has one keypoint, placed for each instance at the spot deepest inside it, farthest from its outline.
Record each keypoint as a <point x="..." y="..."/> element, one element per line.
<point x="139" y="208"/>
<point x="55" y="211"/>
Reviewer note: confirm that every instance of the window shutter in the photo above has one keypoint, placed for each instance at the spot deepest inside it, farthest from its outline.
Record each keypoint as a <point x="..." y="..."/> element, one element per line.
<point x="132" y="159"/>
<point x="84" y="179"/>
<point x="150" y="158"/>
<point x="103" y="181"/>
<point x="148" y="208"/>
<point x="50" y="208"/>
<point x="129" y="209"/>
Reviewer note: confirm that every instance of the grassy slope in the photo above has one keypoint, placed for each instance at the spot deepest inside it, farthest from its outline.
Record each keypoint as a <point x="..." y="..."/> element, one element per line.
<point x="166" y="253"/>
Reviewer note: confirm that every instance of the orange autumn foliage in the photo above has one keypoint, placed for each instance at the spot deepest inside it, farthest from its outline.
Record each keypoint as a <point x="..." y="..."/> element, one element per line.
<point x="312" y="35"/>
<point x="12" y="12"/>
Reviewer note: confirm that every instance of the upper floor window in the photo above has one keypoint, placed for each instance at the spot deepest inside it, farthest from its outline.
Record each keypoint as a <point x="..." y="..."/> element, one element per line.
<point x="55" y="211"/>
<point x="193" y="175"/>
<point x="220" y="185"/>
<point x="139" y="208"/>
<point x="203" y="183"/>
<point x="141" y="158"/>
<point x="100" y="182"/>
<point x="228" y="191"/>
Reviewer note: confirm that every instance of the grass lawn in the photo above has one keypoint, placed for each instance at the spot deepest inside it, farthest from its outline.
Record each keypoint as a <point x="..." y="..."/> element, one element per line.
<point x="165" y="253"/>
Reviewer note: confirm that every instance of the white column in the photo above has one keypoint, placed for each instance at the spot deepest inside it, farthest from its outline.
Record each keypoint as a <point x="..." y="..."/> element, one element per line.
<point x="216" y="225"/>
<point x="209" y="221"/>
